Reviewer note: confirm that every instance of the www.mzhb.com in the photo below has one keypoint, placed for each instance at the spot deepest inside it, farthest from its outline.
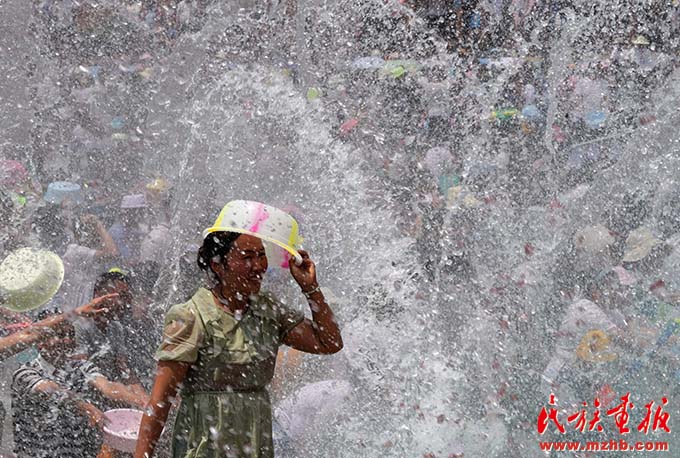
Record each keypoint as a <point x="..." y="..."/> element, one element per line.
<point x="605" y="446"/>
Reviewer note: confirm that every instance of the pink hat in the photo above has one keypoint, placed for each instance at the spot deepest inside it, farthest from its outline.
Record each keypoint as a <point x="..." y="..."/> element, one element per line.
<point x="12" y="172"/>
<point x="625" y="277"/>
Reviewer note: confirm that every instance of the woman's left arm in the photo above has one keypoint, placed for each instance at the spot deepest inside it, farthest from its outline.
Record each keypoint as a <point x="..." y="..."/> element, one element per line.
<point x="108" y="245"/>
<point x="322" y="334"/>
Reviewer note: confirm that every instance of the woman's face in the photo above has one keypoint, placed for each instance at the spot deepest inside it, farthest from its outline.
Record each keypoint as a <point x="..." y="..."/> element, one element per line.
<point x="244" y="266"/>
<point x="118" y="306"/>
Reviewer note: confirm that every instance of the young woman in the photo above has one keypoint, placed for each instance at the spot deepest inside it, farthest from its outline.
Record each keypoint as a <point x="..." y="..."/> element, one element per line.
<point x="221" y="346"/>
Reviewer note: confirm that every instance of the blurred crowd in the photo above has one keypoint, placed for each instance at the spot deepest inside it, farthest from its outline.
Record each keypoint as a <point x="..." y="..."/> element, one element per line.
<point x="104" y="253"/>
<point x="506" y="155"/>
<point x="485" y="123"/>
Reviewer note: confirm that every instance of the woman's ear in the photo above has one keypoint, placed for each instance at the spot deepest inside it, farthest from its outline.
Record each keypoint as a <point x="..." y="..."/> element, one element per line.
<point x="218" y="267"/>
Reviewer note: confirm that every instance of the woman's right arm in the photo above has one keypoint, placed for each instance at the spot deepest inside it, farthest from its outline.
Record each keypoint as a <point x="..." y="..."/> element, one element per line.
<point x="168" y="376"/>
<point x="19" y="341"/>
<point x="40" y="330"/>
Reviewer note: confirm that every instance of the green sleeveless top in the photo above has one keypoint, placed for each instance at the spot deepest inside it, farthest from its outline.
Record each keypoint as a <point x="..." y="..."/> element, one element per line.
<point x="227" y="354"/>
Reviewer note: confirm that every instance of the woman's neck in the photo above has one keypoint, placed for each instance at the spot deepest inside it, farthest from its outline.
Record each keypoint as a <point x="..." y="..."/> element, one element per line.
<point x="229" y="299"/>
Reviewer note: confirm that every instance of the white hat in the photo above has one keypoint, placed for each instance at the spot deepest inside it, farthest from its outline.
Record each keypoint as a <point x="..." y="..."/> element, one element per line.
<point x="640" y="40"/>
<point x="133" y="201"/>
<point x="274" y="226"/>
<point x="29" y="278"/>
<point x="593" y="240"/>
<point x="639" y="244"/>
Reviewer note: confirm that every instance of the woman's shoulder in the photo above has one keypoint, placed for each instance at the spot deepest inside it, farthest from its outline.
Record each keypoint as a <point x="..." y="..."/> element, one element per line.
<point x="183" y="333"/>
<point x="186" y="311"/>
<point x="265" y="305"/>
<point x="183" y="309"/>
<point x="270" y="306"/>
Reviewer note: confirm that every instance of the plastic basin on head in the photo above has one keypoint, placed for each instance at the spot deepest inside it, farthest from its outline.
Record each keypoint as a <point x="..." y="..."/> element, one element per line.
<point x="530" y="112"/>
<point x="122" y="429"/>
<point x="368" y="63"/>
<point x="267" y="223"/>
<point x="29" y="278"/>
<point x="59" y="191"/>
<point x="595" y="119"/>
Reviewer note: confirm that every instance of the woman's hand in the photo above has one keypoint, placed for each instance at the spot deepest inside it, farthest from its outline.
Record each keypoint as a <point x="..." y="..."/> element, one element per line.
<point x="305" y="273"/>
<point x="142" y="397"/>
<point x="90" y="219"/>
<point x="96" y="306"/>
<point x="95" y="416"/>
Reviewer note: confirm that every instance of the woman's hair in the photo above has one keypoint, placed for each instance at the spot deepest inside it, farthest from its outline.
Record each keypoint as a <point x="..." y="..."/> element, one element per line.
<point x="215" y="247"/>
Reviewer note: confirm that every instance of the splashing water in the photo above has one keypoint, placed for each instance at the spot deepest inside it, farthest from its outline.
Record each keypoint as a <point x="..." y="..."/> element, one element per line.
<point x="448" y="270"/>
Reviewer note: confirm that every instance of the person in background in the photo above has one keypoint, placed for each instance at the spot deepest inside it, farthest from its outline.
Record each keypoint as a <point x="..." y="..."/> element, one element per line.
<point x="156" y="245"/>
<point x="19" y="334"/>
<point x="142" y="332"/>
<point x="107" y="339"/>
<point x="92" y="247"/>
<point x="54" y="400"/>
<point x="81" y="240"/>
<point x="50" y="419"/>
<point x="131" y="227"/>
<point x="18" y="331"/>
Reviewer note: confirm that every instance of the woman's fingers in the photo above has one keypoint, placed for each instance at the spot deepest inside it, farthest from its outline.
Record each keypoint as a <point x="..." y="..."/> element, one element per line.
<point x="98" y="300"/>
<point x="105" y="297"/>
<point x="95" y="306"/>
<point x="306" y="261"/>
<point x="304" y="254"/>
